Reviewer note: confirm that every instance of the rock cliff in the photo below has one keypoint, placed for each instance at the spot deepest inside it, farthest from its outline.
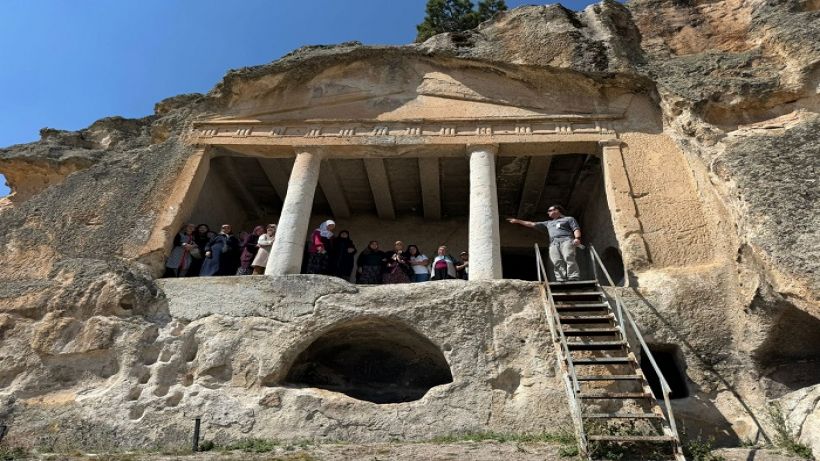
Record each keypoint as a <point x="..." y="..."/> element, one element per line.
<point x="89" y="333"/>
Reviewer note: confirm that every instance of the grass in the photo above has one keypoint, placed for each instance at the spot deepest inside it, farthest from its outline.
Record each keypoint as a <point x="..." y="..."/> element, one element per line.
<point x="286" y="450"/>
<point x="701" y="450"/>
<point x="630" y="451"/>
<point x="544" y="437"/>
<point x="565" y="438"/>
<point x="12" y="453"/>
<point x="251" y="446"/>
<point x="783" y="436"/>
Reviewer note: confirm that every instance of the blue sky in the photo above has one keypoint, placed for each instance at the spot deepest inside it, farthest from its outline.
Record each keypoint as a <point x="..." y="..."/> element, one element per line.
<point x="65" y="64"/>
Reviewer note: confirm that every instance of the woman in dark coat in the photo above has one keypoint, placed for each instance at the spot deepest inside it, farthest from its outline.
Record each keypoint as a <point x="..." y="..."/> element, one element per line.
<point x="201" y="240"/>
<point x="221" y="254"/>
<point x="341" y="255"/>
<point x="397" y="269"/>
<point x="370" y="264"/>
<point x="249" y="248"/>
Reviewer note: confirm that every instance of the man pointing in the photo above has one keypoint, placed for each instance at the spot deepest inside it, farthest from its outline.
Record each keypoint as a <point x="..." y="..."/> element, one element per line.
<point x="565" y="236"/>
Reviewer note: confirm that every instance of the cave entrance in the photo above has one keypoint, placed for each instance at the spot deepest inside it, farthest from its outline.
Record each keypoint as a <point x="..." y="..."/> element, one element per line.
<point x="670" y="362"/>
<point x="376" y="360"/>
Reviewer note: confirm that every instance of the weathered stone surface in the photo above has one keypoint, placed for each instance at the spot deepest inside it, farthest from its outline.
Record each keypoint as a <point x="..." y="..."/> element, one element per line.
<point x="802" y="412"/>
<point x="289" y="297"/>
<point x="716" y="215"/>
<point x="601" y="39"/>
<point x="228" y="368"/>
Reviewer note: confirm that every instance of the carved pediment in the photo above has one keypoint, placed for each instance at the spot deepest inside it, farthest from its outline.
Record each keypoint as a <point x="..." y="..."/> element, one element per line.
<point x="420" y="89"/>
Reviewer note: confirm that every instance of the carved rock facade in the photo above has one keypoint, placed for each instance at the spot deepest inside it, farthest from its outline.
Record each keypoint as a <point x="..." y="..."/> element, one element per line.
<point x="690" y="153"/>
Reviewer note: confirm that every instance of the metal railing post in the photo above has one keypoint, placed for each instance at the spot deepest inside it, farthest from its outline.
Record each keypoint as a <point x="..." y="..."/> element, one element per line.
<point x="592" y="263"/>
<point x="564" y="361"/>
<point x="195" y="441"/>
<point x="625" y="320"/>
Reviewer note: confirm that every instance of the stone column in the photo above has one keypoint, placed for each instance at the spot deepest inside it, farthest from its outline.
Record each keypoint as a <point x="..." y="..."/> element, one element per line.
<point x="484" y="237"/>
<point x="621" y="204"/>
<point x="289" y="245"/>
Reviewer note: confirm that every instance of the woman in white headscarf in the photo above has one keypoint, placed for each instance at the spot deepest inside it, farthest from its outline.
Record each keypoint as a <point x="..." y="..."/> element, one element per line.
<point x="318" y="248"/>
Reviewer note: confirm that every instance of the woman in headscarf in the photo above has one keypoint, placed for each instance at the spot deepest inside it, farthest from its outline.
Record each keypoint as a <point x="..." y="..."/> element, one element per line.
<point x="249" y="249"/>
<point x="370" y="264"/>
<point x="398" y="265"/>
<point x="341" y="255"/>
<point x="221" y="253"/>
<point x="181" y="258"/>
<point x="318" y="248"/>
<point x="201" y="239"/>
<point x="265" y="242"/>
<point x="444" y="266"/>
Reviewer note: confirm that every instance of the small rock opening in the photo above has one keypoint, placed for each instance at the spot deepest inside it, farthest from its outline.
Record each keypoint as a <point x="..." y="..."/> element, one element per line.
<point x="614" y="264"/>
<point x="670" y="362"/>
<point x="376" y="360"/>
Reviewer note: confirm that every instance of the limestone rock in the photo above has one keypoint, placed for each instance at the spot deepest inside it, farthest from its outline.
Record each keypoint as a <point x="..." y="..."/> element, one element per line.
<point x="600" y="39"/>
<point x="802" y="412"/>
<point x="716" y="218"/>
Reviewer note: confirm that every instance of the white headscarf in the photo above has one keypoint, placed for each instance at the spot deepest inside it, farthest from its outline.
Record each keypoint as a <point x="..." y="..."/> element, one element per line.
<point x="324" y="231"/>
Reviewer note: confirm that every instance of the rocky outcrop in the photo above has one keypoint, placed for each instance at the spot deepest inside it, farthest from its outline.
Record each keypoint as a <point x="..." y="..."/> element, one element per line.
<point x="801" y="410"/>
<point x="89" y="335"/>
<point x="140" y="379"/>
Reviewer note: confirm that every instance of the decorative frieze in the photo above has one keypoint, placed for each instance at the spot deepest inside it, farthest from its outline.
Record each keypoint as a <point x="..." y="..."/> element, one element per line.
<point x="210" y="132"/>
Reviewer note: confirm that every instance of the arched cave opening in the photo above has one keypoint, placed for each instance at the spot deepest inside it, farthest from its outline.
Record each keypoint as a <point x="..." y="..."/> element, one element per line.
<point x="376" y="360"/>
<point x="671" y="364"/>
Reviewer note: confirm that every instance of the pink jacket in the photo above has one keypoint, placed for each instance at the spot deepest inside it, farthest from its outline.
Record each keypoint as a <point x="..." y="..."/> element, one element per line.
<point x="316" y="244"/>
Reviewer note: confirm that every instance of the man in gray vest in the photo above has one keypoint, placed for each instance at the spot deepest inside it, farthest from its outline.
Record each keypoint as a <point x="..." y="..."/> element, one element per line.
<point x="565" y="235"/>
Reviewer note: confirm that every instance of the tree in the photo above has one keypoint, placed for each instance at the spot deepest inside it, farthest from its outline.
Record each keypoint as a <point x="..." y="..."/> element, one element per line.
<point x="487" y="9"/>
<point x="455" y="16"/>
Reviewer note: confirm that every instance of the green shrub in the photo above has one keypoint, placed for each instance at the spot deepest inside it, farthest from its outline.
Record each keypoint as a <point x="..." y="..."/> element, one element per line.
<point x="701" y="450"/>
<point x="252" y="445"/>
<point x="783" y="436"/>
<point x="12" y="453"/>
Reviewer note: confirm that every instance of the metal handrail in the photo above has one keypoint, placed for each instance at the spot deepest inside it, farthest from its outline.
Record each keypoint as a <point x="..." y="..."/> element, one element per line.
<point x="621" y="310"/>
<point x="570" y="378"/>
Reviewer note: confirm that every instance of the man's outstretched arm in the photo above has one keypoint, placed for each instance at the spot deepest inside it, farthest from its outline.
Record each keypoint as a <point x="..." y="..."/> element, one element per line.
<point x="521" y="222"/>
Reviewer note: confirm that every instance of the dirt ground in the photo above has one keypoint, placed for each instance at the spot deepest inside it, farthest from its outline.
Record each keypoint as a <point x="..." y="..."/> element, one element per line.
<point x="474" y="451"/>
<point x="388" y="451"/>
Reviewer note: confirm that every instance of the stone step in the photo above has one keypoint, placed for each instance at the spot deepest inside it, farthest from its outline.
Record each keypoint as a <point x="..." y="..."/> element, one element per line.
<point x="631" y="438"/>
<point x="614" y="395"/>
<point x="573" y="284"/>
<point x="609" y="377"/>
<point x="586" y="318"/>
<point x="596" y="345"/>
<point x="622" y="416"/>
<point x="563" y="307"/>
<point x="562" y="295"/>
<point x="602" y="360"/>
<point x="591" y="332"/>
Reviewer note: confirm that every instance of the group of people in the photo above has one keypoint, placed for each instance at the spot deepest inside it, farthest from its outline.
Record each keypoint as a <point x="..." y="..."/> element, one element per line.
<point x="330" y="254"/>
<point x="199" y="251"/>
